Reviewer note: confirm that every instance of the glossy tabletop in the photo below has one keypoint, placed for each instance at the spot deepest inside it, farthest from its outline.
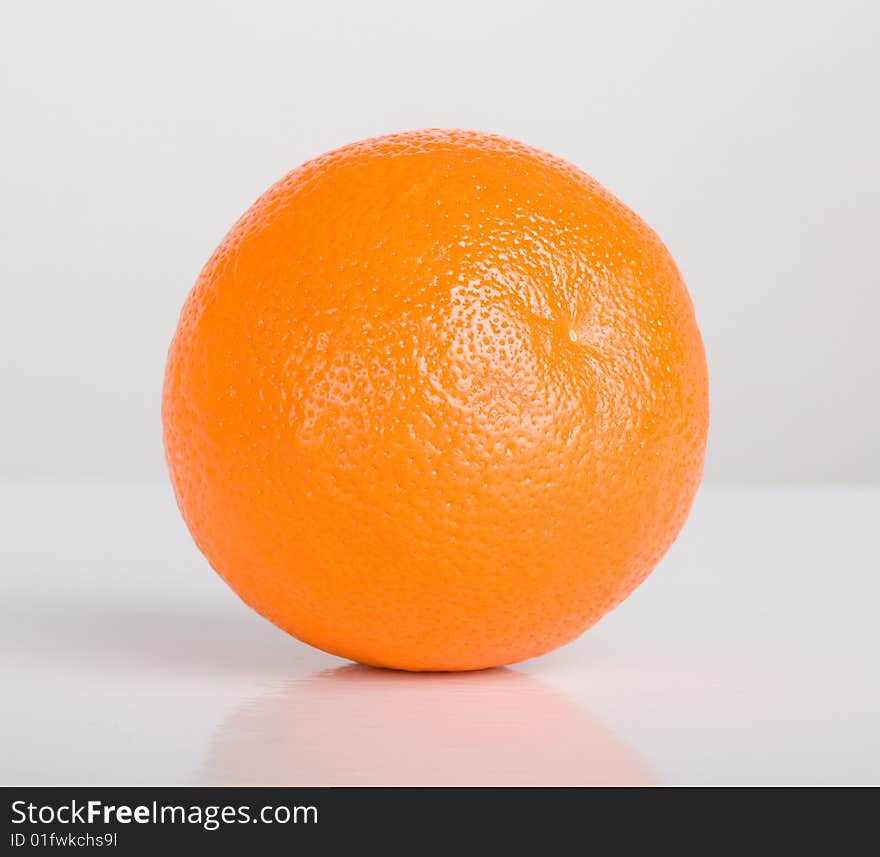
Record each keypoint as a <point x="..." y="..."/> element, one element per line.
<point x="751" y="655"/>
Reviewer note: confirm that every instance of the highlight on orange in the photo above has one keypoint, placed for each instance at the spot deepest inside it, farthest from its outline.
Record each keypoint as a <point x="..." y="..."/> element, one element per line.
<point x="437" y="402"/>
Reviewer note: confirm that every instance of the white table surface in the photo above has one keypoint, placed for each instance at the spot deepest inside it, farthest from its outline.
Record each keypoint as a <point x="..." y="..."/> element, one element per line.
<point x="752" y="655"/>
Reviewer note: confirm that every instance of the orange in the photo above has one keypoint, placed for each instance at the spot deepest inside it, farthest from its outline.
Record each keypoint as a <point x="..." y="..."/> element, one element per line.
<point x="437" y="402"/>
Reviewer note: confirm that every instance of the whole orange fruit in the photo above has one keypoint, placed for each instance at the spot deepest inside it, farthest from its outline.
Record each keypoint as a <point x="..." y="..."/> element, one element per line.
<point x="437" y="402"/>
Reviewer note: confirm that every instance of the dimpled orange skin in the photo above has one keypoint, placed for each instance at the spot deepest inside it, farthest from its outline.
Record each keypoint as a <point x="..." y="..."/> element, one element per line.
<point x="438" y="402"/>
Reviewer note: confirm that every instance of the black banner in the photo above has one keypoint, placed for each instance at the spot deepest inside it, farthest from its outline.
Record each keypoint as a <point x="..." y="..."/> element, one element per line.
<point x="131" y="820"/>
<point x="413" y="820"/>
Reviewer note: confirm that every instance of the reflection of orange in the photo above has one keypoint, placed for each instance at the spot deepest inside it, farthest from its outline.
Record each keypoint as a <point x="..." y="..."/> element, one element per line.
<point x="438" y="401"/>
<point x="359" y="726"/>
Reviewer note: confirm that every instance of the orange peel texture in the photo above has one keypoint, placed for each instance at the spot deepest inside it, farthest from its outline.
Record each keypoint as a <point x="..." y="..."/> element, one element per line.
<point x="437" y="402"/>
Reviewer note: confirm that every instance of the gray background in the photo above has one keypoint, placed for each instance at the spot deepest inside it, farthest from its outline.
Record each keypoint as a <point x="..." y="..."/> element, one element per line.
<point x="746" y="133"/>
